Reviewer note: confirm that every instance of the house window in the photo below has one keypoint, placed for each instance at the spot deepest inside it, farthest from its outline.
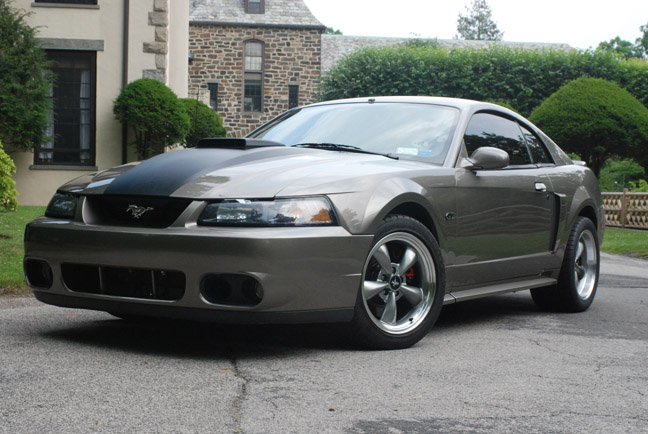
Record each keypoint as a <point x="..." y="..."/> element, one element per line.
<point x="253" y="71"/>
<point x="71" y="118"/>
<point x="254" y="6"/>
<point x="77" y="2"/>
<point x="253" y="56"/>
<point x="293" y="96"/>
<point x="213" y="95"/>
<point x="252" y="102"/>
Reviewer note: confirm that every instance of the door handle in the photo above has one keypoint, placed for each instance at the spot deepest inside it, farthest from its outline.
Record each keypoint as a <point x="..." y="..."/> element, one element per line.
<point x="540" y="186"/>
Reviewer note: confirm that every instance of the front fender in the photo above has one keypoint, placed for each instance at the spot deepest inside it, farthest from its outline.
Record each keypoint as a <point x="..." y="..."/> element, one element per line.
<point x="362" y="212"/>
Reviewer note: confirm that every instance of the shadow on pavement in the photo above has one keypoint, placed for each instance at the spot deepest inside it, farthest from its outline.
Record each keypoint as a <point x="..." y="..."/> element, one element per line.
<point x="214" y="341"/>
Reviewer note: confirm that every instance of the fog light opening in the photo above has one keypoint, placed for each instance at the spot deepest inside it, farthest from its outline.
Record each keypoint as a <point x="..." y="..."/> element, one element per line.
<point x="231" y="289"/>
<point x="38" y="274"/>
<point x="252" y="290"/>
<point x="216" y="289"/>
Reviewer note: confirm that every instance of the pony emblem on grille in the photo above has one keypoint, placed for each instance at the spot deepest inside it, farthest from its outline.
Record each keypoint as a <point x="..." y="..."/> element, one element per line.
<point x="137" y="211"/>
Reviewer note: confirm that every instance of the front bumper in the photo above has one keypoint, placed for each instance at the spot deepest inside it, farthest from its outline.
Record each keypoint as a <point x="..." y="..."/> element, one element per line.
<point x="307" y="274"/>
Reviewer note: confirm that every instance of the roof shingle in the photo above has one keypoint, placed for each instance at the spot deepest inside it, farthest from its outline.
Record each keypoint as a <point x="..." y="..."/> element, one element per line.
<point x="290" y="13"/>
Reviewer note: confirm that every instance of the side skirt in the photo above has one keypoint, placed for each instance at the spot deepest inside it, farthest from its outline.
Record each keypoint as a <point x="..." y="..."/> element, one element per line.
<point x="500" y="288"/>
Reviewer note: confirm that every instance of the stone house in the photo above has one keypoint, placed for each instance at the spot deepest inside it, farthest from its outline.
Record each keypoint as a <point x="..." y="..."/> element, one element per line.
<point x="250" y="60"/>
<point x="96" y="48"/>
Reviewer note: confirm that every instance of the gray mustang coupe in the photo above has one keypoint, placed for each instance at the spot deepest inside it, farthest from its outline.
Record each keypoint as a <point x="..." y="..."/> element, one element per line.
<point x="373" y="211"/>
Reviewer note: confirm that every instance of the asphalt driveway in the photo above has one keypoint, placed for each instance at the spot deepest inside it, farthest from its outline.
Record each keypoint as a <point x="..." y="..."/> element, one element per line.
<point x="491" y="365"/>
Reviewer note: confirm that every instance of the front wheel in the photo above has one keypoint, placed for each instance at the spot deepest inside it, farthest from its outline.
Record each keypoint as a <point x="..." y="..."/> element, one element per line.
<point x="579" y="274"/>
<point x="402" y="286"/>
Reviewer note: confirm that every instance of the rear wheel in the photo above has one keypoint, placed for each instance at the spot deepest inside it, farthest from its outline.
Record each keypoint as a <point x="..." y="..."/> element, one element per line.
<point x="579" y="274"/>
<point x="402" y="287"/>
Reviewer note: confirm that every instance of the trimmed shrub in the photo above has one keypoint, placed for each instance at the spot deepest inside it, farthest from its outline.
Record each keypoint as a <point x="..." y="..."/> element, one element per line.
<point x="595" y="119"/>
<point x="8" y="191"/>
<point x="155" y="114"/>
<point x="204" y="122"/>
<point x="520" y="78"/>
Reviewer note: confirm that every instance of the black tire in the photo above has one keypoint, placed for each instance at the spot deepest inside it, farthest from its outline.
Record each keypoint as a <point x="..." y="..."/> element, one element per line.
<point x="579" y="274"/>
<point x="396" y="308"/>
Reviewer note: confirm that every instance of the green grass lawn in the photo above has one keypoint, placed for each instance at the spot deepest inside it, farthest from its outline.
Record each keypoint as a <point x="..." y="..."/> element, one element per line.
<point x="12" y="229"/>
<point x="626" y="242"/>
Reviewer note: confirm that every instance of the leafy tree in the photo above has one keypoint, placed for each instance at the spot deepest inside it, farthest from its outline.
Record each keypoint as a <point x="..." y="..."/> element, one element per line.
<point x="623" y="48"/>
<point x="332" y="31"/>
<point x="642" y="41"/>
<point x="23" y="84"/>
<point x="155" y="114"/>
<point x="204" y="122"/>
<point x="8" y="191"/>
<point x="617" y="174"/>
<point x="596" y="119"/>
<point x="627" y="49"/>
<point x="478" y="25"/>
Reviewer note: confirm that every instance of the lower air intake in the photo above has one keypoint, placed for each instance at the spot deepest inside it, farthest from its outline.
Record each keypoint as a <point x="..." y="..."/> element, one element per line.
<point x="124" y="282"/>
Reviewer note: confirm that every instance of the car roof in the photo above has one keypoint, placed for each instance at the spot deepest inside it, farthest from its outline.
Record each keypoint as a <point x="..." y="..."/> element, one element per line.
<point x="451" y="102"/>
<point x="467" y="106"/>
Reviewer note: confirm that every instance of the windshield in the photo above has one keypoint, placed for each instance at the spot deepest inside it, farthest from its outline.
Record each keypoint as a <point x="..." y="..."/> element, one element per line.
<point x="402" y="129"/>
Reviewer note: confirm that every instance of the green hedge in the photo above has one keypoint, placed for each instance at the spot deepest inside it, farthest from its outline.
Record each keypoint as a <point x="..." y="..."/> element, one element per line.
<point x="521" y="78"/>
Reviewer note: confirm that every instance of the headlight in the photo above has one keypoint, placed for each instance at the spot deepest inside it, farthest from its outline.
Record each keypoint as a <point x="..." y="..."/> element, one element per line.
<point x="309" y="211"/>
<point x="62" y="206"/>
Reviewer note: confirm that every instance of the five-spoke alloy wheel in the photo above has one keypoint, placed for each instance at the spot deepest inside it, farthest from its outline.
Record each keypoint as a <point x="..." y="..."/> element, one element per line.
<point x="402" y="285"/>
<point x="579" y="274"/>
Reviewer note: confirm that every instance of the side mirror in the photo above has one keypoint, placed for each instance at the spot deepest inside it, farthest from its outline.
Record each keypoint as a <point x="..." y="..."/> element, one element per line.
<point x="486" y="158"/>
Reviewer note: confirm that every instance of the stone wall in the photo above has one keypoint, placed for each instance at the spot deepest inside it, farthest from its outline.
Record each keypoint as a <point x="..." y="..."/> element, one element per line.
<point x="159" y="20"/>
<point x="292" y="56"/>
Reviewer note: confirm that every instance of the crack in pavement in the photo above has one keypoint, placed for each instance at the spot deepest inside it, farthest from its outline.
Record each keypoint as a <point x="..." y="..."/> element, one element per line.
<point x="240" y="397"/>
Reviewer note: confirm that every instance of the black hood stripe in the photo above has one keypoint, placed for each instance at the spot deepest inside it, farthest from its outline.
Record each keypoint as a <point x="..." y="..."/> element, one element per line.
<point x="164" y="174"/>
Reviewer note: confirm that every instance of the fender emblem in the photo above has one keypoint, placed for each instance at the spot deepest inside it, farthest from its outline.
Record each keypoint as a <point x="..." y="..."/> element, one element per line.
<point x="137" y="211"/>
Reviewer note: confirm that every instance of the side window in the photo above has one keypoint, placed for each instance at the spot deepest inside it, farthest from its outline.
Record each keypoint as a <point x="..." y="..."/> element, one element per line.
<point x="537" y="149"/>
<point x="485" y="129"/>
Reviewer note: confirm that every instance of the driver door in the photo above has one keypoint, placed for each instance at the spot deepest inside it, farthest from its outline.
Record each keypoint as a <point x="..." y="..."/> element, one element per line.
<point x="504" y="217"/>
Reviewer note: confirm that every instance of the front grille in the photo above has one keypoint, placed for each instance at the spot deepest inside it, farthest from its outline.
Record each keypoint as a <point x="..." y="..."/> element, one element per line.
<point x="124" y="282"/>
<point x="134" y="211"/>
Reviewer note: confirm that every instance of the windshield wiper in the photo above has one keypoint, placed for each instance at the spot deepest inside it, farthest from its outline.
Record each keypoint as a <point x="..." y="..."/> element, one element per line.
<point x="343" y="148"/>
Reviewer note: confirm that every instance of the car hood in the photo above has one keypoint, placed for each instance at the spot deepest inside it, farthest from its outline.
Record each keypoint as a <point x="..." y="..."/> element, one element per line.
<point x="244" y="173"/>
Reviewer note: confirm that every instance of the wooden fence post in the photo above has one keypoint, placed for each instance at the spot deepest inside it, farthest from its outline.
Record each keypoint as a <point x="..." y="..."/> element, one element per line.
<point x="624" y="207"/>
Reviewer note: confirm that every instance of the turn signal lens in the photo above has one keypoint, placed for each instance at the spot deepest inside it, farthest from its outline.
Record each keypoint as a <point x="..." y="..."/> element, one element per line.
<point x="62" y="206"/>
